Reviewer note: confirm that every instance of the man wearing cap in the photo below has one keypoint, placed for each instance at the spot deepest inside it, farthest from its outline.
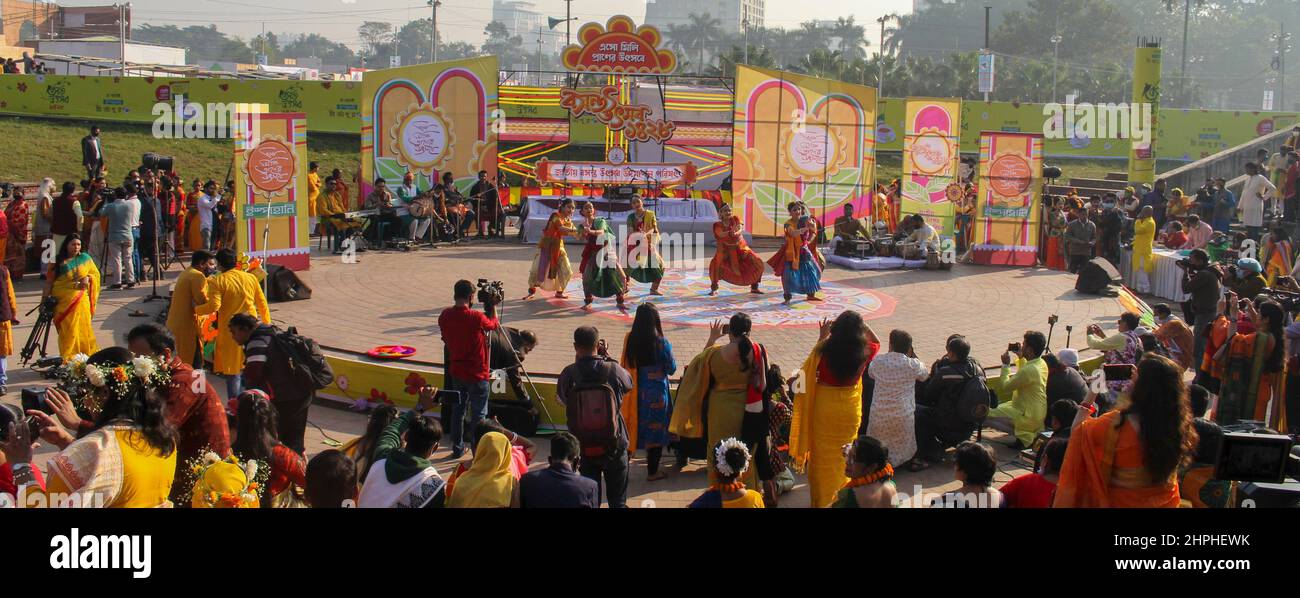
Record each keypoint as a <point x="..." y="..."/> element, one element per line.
<point x="1247" y="280"/>
<point x="1064" y="381"/>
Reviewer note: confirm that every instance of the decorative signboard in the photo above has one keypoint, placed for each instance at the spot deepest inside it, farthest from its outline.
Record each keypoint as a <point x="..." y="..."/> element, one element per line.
<point x="271" y="202"/>
<point x="1007" y="215"/>
<point x="930" y="159"/>
<point x="601" y="173"/>
<point x="634" y="120"/>
<point x="619" y="46"/>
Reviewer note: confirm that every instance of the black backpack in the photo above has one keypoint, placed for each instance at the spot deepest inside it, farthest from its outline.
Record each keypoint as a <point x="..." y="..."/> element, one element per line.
<point x="306" y="362"/>
<point x="973" y="400"/>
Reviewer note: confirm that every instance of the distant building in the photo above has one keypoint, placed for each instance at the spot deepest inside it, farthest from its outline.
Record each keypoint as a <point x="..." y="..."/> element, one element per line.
<point x="731" y="13"/>
<point x="107" y="49"/>
<point x="521" y="19"/>
<point x="24" y="20"/>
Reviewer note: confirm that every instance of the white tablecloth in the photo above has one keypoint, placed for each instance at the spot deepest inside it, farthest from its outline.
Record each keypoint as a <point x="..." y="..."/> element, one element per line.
<point x="675" y="215"/>
<point x="1167" y="279"/>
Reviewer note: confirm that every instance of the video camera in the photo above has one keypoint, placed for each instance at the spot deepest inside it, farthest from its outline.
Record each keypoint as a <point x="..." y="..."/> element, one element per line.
<point x="1289" y="300"/>
<point x="490" y="292"/>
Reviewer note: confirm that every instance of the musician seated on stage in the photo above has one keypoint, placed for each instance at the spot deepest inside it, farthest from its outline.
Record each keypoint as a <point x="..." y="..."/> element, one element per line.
<point x="381" y="199"/>
<point x="333" y="211"/>
<point x="485" y="198"/>
<point x="458" y="210"/>
<point x="407" y="195"/>
<point x="848" y="230"/>
<point x="921" y="240"/>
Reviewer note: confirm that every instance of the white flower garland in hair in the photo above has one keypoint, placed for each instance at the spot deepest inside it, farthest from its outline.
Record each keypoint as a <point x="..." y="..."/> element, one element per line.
<point x="720" y="454"/>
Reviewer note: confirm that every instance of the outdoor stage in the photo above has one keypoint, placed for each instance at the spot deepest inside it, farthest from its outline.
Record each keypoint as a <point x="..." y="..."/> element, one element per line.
<point x="395" y="298"/>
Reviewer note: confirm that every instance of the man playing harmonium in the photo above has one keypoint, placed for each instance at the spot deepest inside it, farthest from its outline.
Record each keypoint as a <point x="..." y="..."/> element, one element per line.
<point x="384" y="222"/>
<point x="848" y="231"/>
<point x="333" y="212"/>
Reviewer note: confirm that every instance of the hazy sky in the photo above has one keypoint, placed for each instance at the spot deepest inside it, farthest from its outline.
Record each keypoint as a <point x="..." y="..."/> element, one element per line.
<point x="459" y="20"/>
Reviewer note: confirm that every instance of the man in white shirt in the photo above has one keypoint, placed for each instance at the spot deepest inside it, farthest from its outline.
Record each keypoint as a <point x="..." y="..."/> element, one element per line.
<point x="1256" y="192"/>
<point x="133" y="202"/>
<point x="923" y="239"/>
<point x="408" y="192"/>
<point x="207" y="203"/>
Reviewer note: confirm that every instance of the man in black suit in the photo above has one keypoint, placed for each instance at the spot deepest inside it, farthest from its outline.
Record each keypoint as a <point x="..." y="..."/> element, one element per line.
<point x="559" y="486"/>
<point x="92" y="154"/>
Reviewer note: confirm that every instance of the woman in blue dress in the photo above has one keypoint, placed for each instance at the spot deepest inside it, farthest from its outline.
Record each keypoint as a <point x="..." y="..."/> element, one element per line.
<point x="798" y="262"/>
<point x="648" y="408"/>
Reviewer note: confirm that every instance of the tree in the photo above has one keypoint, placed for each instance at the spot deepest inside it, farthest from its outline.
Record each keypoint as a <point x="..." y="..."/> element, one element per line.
<point x="204" y="43"/>
<point x="413" y="42"/>
<point x="315" y="45"/>
<point x="509" y="49"/>
<point x="268" y="45"/>
<point x="852" y="38"/>
<point x="694" y="37"/>
<point x="376" y="42"/>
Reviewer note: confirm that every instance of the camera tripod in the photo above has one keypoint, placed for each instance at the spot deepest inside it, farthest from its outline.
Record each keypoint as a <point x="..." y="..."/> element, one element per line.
<point x="39" y="338"/>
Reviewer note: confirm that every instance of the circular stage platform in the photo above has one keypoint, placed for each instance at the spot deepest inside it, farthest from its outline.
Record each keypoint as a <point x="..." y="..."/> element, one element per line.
<point x="395" y="297"/>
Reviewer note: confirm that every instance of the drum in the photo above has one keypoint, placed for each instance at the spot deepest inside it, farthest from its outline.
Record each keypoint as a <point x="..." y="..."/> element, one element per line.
<point x="885" y="247"/>
<point x="421" y="207"/>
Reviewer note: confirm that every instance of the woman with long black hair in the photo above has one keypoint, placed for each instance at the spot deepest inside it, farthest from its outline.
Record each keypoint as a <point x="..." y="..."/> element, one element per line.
<point x="647" y="409"/>
<point x="1129" y="457"/>
<point x="73" y="281"/>
<point x="1253" y="366"/>
<point x="361" y="450"/>
<point x="829" y="408"/>
<point x="256" y="439"/>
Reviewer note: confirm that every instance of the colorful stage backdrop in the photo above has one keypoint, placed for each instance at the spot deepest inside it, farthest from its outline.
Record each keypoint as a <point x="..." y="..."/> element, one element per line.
<point x="931" y="146"/>
<point x="1007" y="215"/>
<point x="270" y="175"/>
<point x="800" y="138"/>
<point x="429" y="119"/>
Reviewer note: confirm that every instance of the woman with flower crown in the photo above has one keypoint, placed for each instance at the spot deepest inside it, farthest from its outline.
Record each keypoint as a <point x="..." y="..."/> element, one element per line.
<point x="127" y="460"/>
<point x="73" y="281"/>
<point x="871" y="477"/>
<point x="731" y="460"/>
<point x="256" y="439"/>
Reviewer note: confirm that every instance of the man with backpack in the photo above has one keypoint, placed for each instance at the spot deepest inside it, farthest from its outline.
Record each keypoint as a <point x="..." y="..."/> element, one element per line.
<point x="286" y="366"/>
<point x="947" y="409"/>
<point x="591" y="390"/>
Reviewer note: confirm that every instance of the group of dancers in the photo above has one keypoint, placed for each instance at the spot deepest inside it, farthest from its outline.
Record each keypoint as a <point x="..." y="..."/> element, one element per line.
<point x="798" y="262"/>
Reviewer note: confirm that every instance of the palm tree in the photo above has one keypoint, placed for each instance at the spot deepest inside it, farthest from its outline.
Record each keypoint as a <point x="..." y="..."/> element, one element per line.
<point x="853" y="41"/>
<point x="695" y="36"/>
<point x="894" y="35"/>
<point x="827" y="64"/>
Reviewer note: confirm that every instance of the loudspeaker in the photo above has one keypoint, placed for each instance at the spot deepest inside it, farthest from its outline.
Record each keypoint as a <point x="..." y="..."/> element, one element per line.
<point x="158" y="162"/>
<point x="1096" y="276"/>
<point x="285" y="285"/>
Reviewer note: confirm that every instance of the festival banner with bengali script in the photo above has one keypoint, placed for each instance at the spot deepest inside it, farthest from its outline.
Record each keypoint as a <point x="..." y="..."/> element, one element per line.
<point x="800" y="138"/>
<point x="1006" y="209"/>
<point x="271" y="199"/>
<point x="428" y="119"/>
<point x="931" y="146"/>
<point x="604" y="173"/>
<point x="619" y="46"/>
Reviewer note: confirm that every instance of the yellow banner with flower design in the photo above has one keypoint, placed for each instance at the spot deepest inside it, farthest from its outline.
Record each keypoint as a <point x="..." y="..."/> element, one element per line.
<point x="270" y="194"/>
<point x="800" y="138"/>
<point x="430" y="119"/>
<point x="931" y="142"/>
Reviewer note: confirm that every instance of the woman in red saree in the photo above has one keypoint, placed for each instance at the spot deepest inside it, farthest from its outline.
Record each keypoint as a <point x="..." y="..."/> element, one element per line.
<point x="734" y="261"/>
<point x="19" y="226"/>
<point x="551" y="270"/>
<point x="1129" y="457"/>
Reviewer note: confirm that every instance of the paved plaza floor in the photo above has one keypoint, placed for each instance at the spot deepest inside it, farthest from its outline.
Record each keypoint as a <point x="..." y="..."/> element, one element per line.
<point x="392" y="297"/>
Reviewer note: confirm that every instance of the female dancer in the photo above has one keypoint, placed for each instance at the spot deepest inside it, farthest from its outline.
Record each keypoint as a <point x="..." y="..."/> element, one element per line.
<point x="734" y="261"/>
<point x="551" y="270"/>
<point x="602" y="276"/>
<point x="644" y="262"/>
<point x="799" y="263"/>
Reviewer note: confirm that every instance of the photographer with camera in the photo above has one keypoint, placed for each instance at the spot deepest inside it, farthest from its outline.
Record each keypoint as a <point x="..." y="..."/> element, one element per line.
<point x="1201" y="280"/>
<point x="1022" y="397"/>
<point x="464" y="333"/>
<point x="1246" y="278"/>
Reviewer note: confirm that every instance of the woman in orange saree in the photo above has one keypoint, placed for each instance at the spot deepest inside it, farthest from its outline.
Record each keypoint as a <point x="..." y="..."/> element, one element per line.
<point x="1253" y="368"/>
<point x="734" y="261"/>
<point x="19" y="220"/>
<point x="551" y="270"/>
<point x="1129" y="457"/>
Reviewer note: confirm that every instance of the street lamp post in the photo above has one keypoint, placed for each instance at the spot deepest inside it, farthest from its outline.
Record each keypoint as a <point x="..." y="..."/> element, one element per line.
<point x="433" y="35"/>
<point x="880" y="54"/>
<point x="1056" y="47"/>
<point x="744" y="26"/>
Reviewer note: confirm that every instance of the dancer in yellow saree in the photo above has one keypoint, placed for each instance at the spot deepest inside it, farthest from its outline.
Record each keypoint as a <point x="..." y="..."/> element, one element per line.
<point x="828" y="412"/>
<point x="73" y="281"/>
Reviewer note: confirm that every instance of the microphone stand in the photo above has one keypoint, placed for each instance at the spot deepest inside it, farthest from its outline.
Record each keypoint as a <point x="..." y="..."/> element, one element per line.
<point x="157" y="261"/>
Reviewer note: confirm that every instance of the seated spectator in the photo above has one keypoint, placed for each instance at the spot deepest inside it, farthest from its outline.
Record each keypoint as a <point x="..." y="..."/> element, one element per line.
<point x="521" y="451"/>
<point x="489" y="483"/>
<point x="509" y="346"/>
<point x="403" y="477"/>
<point x="1035" y="490"/>
<point x="731" y="459"/>
<point x="1248" y="279"/>
<point x="1175" y="335"/>
<point x="1175" y="238"/>
<point x="1196" y="482"/>
<point x="1122" y="348"/>
<point x="1064" y="381"/>
<point x="939" y="426"/>
<point x="1022" y="398"/>
<point x="975" y="467"/>
<point x="362" y="448"/>
<point x="871" y="477"/>
<point x="331" y="481"/>
<point x="1141" y="445"/>
<point x="1199" y="233"/>
<point x="256" y="437"/>
<point x="559" y="486"/>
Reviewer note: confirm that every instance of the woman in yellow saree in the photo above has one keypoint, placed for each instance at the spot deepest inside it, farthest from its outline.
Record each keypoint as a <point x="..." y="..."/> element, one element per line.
<point x="488" y="483"/>
<point x="828" y="412"/>
<point x="73" y="281"/>
<point x="722" y="385"/>
<point x="1129" y="457"/>
<point x="551" y="270"/>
